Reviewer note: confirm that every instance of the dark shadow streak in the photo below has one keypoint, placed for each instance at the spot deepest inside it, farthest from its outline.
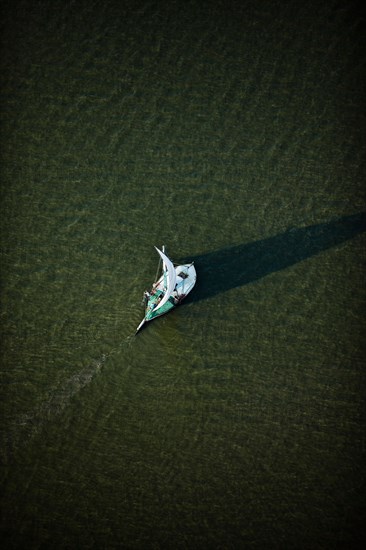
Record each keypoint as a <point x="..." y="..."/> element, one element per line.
<point x="239" y="265"/>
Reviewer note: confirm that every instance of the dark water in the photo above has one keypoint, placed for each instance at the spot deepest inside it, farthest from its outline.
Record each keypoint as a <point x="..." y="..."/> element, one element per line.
<point x="233" y="133"/>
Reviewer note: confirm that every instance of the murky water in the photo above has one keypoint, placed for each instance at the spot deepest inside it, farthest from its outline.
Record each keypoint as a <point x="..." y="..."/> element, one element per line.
<point x="233" y="134"/>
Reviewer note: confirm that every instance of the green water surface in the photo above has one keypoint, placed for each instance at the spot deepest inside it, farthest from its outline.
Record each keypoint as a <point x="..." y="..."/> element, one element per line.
<point x="233" y="133"/>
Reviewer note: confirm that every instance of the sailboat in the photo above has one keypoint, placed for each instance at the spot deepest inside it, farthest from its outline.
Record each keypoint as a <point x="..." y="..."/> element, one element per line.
<point x="169" y="290"/>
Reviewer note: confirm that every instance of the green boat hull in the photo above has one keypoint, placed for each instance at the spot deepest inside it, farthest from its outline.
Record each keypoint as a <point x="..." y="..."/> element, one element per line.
<point x="170" y="289"/>
<point x="153" y="302"/>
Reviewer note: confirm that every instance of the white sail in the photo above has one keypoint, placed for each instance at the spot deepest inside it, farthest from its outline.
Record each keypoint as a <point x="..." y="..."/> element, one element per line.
<point x="171" y="278"/>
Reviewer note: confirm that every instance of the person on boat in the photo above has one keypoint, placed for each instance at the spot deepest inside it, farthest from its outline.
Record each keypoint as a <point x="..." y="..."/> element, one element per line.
<point x="175" y="294"/>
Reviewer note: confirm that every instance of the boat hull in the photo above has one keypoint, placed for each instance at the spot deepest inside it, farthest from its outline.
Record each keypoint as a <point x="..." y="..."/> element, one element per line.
<point x="185" y="280"/>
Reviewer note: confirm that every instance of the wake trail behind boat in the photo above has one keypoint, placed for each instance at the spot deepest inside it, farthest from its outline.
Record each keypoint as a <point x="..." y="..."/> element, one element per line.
<point x="27" y="425"/>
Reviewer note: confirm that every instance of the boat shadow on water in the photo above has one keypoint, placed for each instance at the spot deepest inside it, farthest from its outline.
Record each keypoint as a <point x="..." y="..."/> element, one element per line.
<point x="239" y="265"/>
